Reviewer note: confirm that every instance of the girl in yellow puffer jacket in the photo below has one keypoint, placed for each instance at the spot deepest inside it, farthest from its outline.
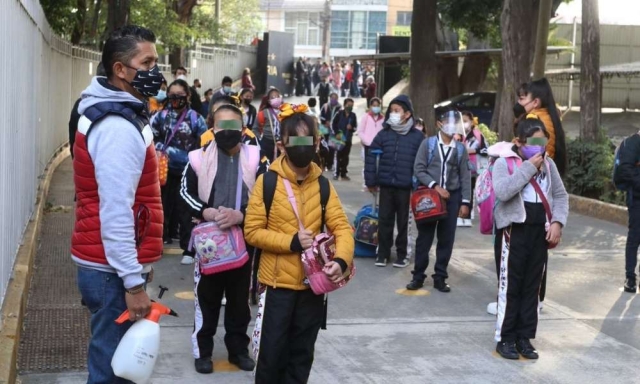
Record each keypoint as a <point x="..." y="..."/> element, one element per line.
<point x="290" y="314"/>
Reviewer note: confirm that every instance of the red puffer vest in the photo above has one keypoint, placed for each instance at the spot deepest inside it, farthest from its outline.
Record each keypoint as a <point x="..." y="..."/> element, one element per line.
<point x="86" y="241"/>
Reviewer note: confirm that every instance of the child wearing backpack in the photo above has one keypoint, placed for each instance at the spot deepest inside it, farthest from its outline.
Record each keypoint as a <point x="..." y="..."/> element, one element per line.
<point x="442" y="163"/>
<point x="531" y="209"/>
<point x="290" y="314"/>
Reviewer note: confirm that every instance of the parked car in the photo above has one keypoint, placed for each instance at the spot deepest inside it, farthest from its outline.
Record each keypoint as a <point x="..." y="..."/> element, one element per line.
<point x="481" y="104"/>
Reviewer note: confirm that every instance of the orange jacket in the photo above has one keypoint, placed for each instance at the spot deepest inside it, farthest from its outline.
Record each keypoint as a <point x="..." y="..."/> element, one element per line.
<point x="543" y="115"/>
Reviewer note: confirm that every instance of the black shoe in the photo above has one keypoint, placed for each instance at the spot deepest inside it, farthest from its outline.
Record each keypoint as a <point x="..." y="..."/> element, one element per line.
<point x="168" y="241"/>
<point x="441" y="285"/>
<point x="414" y="285"/>
<point x="346" y="178"/>
<point x="243" y="362"/>
<point x="630" y="286"/>
<point x="526" y="349"/>
<point x="381" y="262"/>
<point x="336" y="178"/>
<point x="204" y="365"/>
<point x="507" y="349"/>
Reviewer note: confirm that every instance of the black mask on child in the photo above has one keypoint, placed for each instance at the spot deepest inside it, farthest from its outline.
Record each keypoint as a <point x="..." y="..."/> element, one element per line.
<point x="227" y="139"/>
<point x="518" y="110"/>
<point x="301" y="156"/>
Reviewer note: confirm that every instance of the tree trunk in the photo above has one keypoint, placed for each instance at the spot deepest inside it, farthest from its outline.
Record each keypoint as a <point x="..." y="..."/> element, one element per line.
<point x="423" y="86"/>
<point x="590" y="80"/>
<point x="78" y="28"/>
<point x="118" y="15"/>
<point x="496" y="108"/>
<point x="93" y="33"/>
<point x="475" y="69"/>
<point x="184" y="10"/>
<point x="515" y="23"/>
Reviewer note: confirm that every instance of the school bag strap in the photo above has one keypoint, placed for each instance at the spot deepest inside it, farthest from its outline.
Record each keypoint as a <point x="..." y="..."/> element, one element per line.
<point x="270" y="182"/>
<point x="432" y="146"/>
<point x="130" y="112"/>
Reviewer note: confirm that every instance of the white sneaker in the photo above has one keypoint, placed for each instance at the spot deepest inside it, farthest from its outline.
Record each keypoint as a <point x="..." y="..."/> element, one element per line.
<point x="540" y="306"/>
<point x="224" y="300"/>
<point x="492" y="308"/>
<point x="186" y="260"/>
<point x="468" y="223"/>
<point x="473" y="214"/>
<point x="460" y="222"/>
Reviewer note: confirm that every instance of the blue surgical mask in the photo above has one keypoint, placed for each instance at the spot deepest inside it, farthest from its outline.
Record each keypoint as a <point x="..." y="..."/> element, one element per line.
<point x="227" y="90"/>
<point x="161" y="95"/>
<point x="376" y="110"/>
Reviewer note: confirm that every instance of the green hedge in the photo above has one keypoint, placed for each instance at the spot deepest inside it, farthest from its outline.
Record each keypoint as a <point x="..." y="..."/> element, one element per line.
<point x="589" y="170"/>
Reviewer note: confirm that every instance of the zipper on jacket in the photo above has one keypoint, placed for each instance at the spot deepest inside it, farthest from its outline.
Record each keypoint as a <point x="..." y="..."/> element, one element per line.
<point x="395" y="160"/>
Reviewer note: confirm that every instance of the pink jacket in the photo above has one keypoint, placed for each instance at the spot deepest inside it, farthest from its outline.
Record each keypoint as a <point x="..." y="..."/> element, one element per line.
<point x="369" y="128"/>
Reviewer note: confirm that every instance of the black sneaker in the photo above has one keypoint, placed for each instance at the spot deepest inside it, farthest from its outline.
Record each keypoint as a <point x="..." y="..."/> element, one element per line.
<point x="167" y="241"/>
<point x="243" y="362"/>
<point x="507" y="349"/>
<point x="414" y="285"/>
<point x="346" y="178"/>
<point x="380" y="262"/>
<point x="204" y="365"/>
<point x="441" y="285"/>
<point x="526" y="349"/>
<point x="401" y="263"/>
<point x="630" y="286"/>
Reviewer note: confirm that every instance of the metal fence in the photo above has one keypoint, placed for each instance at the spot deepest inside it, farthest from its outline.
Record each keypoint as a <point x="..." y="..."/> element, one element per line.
<point x="42" y="76"/>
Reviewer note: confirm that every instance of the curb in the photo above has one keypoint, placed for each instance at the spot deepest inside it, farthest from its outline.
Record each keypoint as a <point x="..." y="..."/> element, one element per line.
<point x="15" y="299"/>
<point x="599" y="210"/>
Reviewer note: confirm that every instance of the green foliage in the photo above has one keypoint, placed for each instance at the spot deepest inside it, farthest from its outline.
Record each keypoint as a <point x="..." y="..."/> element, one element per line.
<point x="489" y="135"/>
<point x="589" y="170"/>
<point x="480" y="17"/>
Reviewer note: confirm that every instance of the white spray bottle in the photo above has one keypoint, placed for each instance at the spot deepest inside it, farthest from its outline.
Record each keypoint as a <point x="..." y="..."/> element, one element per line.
<point x="137" y="352"/>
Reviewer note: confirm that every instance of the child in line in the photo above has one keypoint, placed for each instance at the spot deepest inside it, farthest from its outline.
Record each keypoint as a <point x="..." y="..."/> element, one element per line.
<point x="292" y="313"/>
<point x="532" y="212"/>
<point x="476" y="147"/>
<point x="447" y="172"/>
<point x="328" y="112"/>
<point x="344" y="125"/>
<point x="399" y="142"/>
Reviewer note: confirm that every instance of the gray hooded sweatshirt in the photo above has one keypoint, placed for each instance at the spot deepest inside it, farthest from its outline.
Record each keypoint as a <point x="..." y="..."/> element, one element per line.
<point x="118" y="153"/>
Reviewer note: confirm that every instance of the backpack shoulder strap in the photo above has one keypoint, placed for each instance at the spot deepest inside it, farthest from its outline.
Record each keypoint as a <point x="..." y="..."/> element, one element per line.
<point x="99" y="111"/>
<point x="460" y="149"/>
<point x="325" y="191"/>
<point x="431" y="147"/>
<point x="193" y="116"/>
<point x="269" y="183"/>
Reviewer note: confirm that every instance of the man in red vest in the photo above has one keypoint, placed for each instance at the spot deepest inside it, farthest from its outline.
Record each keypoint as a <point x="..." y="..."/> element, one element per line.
<point x="118" y="229"/>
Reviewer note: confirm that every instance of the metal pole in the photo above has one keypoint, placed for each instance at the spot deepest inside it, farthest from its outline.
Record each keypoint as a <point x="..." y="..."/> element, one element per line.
<point x="573" y="58"/>
<point x="542" y="38"/>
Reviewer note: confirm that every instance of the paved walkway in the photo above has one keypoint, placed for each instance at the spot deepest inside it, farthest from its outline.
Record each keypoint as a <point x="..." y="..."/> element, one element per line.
<point x="589" y="330"/>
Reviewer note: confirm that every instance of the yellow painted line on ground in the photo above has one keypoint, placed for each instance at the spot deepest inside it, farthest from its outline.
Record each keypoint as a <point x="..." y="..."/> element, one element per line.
<point x="224" y="366"/>
<point x="172" y="251"/>
<point x="419" y="292"/>
<point x="185" y="295"/>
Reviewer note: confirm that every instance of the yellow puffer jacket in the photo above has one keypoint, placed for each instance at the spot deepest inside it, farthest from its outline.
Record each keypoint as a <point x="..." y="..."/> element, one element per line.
<point x="279" y="267"/>
<point x="543" y="115"/>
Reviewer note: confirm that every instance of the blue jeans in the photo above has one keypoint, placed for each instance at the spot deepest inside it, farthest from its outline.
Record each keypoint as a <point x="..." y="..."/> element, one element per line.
<point x="104" y="295"/>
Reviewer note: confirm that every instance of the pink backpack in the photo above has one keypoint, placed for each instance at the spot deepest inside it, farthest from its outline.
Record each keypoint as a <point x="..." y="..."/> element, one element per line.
<point x="219" y="250"/>
<point x="485" y="195"/>
<point x="321" y="252"/>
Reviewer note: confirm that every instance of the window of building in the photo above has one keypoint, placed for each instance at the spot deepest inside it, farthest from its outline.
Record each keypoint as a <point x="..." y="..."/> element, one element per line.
<point x="357" y="29"/>
<point x="404" y="18"/>
<point x="305" y="26"/>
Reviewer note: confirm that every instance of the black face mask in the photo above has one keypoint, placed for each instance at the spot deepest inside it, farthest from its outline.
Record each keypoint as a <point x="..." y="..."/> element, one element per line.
<point x="178" y="102"/>
<point x="147" y="83"/>
<point x="248" y="101"/>
<point x="301" y="156"/>
<point x="518" y="110"/>
<point x="227" y="139"/>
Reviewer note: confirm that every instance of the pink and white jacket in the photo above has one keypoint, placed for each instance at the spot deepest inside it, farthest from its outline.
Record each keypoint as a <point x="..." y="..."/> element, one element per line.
<point x="369" y="127"/>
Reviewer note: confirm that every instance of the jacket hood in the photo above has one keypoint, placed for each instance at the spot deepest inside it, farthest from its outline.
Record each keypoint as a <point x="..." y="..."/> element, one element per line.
<point x="100" y="91"/>
<point x="281" y="167"/>
<point x="403" y="100"/>
<point x="502" y="149"/>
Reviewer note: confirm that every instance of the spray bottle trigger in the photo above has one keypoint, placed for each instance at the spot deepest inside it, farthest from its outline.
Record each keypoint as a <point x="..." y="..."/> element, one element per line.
<point x="124" y="317"/>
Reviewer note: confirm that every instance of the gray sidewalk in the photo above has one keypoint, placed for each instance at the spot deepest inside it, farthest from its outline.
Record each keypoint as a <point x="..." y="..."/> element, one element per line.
<point x="588" y="331"/>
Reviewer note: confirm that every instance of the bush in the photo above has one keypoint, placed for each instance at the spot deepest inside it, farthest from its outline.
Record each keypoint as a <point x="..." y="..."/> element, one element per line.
<point x="589" y="170"/>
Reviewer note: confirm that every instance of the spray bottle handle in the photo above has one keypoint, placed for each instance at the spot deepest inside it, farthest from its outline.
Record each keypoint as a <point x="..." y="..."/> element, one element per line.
<point x="154" y="314"/>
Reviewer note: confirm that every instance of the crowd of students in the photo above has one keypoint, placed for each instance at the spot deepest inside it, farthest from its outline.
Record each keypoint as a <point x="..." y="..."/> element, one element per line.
<point x="260" y="172"/>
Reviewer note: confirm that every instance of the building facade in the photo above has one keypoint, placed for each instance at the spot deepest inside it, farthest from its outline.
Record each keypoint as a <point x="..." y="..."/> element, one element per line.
<point x="355" y="26"/>
<point x="399" y="17"/>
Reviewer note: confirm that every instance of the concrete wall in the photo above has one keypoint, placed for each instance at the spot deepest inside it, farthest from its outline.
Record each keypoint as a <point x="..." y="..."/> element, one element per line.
<point x="618" y="44"/>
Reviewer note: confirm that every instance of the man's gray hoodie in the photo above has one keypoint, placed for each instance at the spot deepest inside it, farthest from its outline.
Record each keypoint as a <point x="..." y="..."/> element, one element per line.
<point x="118" y="153"/>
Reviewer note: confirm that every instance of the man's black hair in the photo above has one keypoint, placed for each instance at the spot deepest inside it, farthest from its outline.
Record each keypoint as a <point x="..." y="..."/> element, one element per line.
<point x="175" y="72"/>
<point x="122" y="46"/>
<point x="207" y="91"/>
<point x="312" y="102"/>
<point x="226" y="79"/>
<point x="347" y="100"/>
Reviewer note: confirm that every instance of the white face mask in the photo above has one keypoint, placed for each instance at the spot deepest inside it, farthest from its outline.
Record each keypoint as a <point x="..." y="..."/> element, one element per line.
<point x="467" y="127"/>
<point x="395" y="118"/>
<point x="182" y="77"/>
<point x="449" y="129"/>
